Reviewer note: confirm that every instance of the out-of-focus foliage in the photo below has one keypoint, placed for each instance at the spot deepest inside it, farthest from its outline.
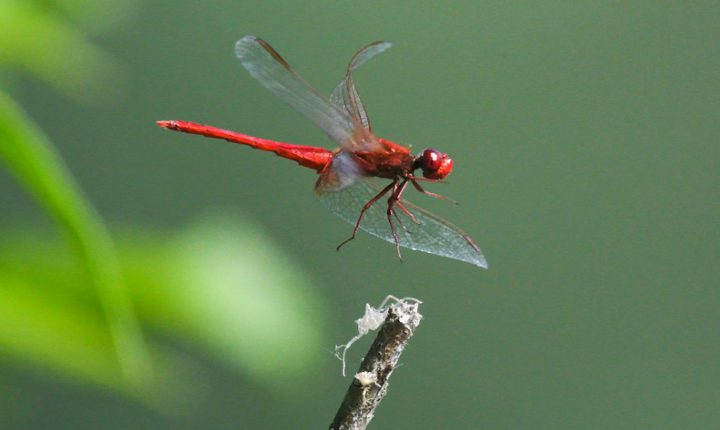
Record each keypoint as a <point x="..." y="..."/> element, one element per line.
<point x="39" y="39"/>
<point x="225" y="285"/>
<point x="30" y="156"/>
<point x="47" y="40"/>
<point x="219" y="286"/>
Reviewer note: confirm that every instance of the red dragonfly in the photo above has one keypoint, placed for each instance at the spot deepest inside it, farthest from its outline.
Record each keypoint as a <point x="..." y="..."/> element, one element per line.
<point x="350" y="177"/>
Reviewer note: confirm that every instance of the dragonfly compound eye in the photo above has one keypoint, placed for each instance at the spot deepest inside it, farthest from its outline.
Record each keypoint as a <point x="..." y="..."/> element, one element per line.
<point x="435" y="164"/>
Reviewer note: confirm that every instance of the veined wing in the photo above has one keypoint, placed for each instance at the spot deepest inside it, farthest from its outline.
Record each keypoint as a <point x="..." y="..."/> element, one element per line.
<point x="432" y="235"/>
<point x="345" y="95"/>
<point x="275" y="74"/>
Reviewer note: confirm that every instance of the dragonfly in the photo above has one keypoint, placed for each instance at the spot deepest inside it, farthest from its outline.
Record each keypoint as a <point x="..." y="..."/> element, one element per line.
<point x="363" y="169"/>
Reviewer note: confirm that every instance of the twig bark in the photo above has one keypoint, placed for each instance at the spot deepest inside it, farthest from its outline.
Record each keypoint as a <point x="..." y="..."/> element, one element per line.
<point x="370" y="383"/>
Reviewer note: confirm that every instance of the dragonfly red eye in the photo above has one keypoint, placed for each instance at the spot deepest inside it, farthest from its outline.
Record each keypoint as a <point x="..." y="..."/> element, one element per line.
<point x="435" y="164"/>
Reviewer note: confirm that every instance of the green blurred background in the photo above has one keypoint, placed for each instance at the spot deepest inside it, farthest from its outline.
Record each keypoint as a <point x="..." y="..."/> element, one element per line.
<point x="585" y="138"/>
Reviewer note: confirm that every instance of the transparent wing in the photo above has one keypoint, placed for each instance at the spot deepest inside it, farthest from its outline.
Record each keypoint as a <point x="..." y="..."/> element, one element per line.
<point x="345" y="95"/>
<point x="275" y="74"/>
<point x="342" y="173"/>
<point x="432" y="235"/>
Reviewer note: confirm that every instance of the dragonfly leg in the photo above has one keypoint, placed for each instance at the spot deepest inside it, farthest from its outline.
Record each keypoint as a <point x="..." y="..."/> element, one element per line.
<point x="393" y="200"/>
<point x="407" y="212"/>
<point x="429" y="193"/>
<point x="435" y="181"/>
<point x="399" y="220"/>
<point x="398" y="203"/>
<point x="382" y="192"/>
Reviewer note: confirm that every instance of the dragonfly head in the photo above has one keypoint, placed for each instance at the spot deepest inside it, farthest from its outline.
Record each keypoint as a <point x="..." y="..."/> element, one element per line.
<point x="434" y="164"/>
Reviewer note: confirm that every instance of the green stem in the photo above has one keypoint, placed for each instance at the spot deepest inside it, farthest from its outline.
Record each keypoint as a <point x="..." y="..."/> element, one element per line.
<point x="33" y="160"/>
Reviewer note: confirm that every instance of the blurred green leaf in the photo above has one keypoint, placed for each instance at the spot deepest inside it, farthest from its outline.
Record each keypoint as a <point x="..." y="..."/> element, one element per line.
<point x="221" y="286"/>
<point x="50" y="323"/>
<point x="31" y="158"/>
<point x="41" y="42"/>
<point x="245" y="300"/>
<point x="45" y="331"/>
<point x="98" y="15"/>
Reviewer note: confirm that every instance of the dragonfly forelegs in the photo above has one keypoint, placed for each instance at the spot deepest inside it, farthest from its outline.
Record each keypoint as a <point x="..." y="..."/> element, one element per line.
<point x="367" y="206"/>
<point x="422" y="190"/>
<point x="393" y="200"/>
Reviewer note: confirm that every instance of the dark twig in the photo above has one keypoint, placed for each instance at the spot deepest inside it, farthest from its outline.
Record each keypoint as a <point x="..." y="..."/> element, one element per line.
<point x="370" y="384"/>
